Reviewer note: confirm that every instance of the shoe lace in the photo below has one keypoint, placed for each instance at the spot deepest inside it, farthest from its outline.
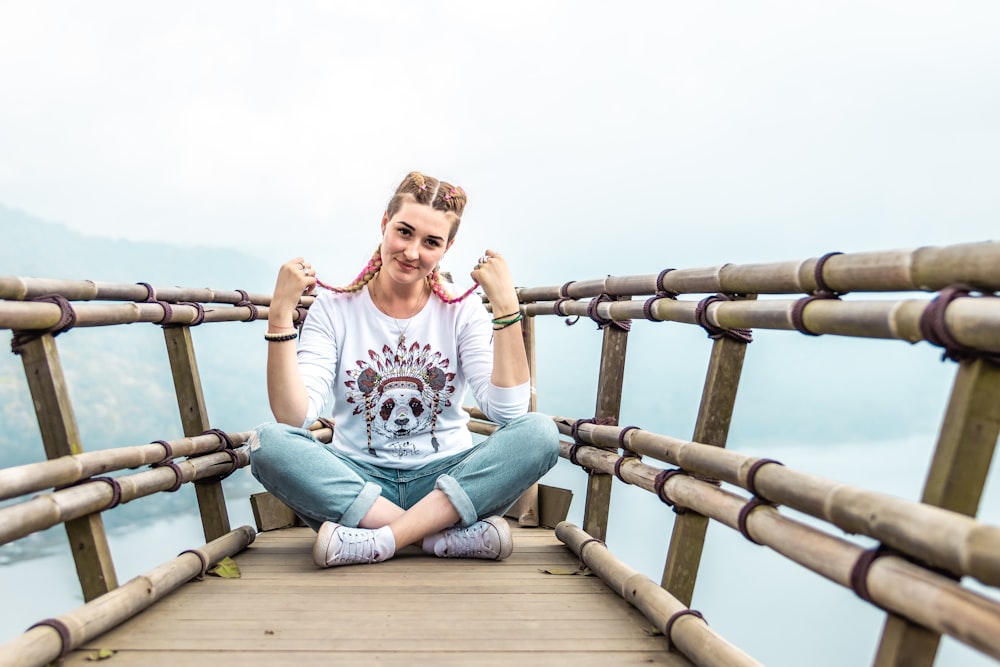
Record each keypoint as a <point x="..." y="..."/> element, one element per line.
<point x="469" y="541"/>
<point x="356" y="546"/>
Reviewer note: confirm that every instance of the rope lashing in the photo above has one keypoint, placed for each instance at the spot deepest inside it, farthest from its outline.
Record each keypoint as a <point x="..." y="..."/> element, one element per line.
<point x="66" y="642"/>
<point x="934" y="326"/>
<point x="862" y="566"/>
<point x="741" y="519"/>
<point x="658" y="486"/>
<point x="245" y="301"/>
<point x="669" y="625"/>
<point x="563" y="298"/>
<point x="168" y="462"/>
<point x="150" y="292"/>
<point x="822" y="292"/>
<point x="201" y="557"/>
<point x="626" y="452"/>
<point x="661" y="293"/>
<point x="199" y="315"/>
<point x="751" y="479"/>
<point x="757" y="500"/>
<point x="602" y="322"/>
<point x="574" y="432"/>
<point x="302" y="313"/>
<point x="226" y="445"/>
<point x="701" y="316"/>
<point x="67" y="318"/>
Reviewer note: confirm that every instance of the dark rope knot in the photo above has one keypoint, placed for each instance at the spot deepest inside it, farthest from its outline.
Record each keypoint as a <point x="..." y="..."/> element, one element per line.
<point x="150" y="293"/>
<point x="701" y="316"/>
<point x="658" y="487"/>
<point x="199" y="315"/>
<point x="245" y="301"/>
<point x="602" y="322"/>
<point x="302" y="312"/>
<point x="67" y="318"/>
<point x="934" y="326"/>
<point x="822" y="292"/>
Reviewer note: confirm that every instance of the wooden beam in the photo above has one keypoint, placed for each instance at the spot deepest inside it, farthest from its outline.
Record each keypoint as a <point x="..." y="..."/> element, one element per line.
<point x="712" y="428"/>
<point x="955" y="481"/>
<point x="194" y="420"/>
<point x="609" y="402"/>
<point x="526" y="509"/>
<point x="60" y="436"/>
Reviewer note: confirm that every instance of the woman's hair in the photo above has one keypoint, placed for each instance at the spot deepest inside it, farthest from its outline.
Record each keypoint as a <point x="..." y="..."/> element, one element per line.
<point x="440" y="196"/>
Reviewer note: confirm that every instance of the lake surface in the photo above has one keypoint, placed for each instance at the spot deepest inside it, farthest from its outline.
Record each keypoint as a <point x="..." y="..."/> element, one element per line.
<point x="778" y="612"/>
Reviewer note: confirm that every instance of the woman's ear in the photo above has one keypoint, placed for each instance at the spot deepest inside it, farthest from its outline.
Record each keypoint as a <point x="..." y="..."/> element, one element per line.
<point x="385" y="221"/>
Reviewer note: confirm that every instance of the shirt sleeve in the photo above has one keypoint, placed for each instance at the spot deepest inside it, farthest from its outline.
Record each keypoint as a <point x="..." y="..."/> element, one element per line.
<point x="475" y="348"/>
<point x="317" y="355"/>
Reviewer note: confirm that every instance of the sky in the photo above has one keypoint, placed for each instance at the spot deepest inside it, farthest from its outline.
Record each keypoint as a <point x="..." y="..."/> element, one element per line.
<point x="593" y="138"/>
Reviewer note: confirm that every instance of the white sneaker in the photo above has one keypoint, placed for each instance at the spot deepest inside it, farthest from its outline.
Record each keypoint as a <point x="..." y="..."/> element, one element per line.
<point x="340" y="545"/>
<point x="488" y="539"/>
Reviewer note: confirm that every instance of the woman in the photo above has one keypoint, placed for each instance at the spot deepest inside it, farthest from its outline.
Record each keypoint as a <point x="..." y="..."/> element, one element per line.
<point x="398" y="352"/>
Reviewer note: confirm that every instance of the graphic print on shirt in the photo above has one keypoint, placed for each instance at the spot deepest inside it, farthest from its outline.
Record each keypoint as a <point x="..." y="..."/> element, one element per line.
<point x="400" y="392"/>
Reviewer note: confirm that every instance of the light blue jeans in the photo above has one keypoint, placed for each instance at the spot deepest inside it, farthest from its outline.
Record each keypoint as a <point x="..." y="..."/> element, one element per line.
<point x="323" y="485"/>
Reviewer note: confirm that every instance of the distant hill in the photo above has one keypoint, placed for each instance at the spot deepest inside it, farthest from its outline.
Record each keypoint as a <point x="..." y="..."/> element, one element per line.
<point x="38" y="248"/>
<point x="119" y="377"/>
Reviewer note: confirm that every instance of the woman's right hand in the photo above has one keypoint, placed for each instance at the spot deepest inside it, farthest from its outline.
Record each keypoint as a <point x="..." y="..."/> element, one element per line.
<point x="295" y="278"/>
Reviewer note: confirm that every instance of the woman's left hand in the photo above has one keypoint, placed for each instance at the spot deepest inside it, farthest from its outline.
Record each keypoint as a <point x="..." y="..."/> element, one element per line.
<point x="493" y="275"/>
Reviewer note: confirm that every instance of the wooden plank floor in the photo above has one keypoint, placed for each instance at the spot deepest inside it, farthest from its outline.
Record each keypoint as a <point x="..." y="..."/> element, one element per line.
<point x="412" y="610"/>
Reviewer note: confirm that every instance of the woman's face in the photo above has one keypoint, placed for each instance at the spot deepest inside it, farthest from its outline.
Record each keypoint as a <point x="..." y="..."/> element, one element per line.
<point x="413" y="242"/>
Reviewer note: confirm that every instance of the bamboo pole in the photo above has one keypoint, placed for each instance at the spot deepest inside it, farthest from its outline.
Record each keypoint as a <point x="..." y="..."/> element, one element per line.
<point x="926" y="269"/>
<point x="894" y="584"/>
<point x="715" y="412"/>
<point x="94" y="496"/>
<point x="66" y="470"/>
<point x="61" y="437"/>
<point x="939" y="537"/>
<point x="22" y="288"/>
<point x="43" y="644"/>
<point x="690" y="634"/>
<point x="955" y="482"/>
<point x="973" y="321"/>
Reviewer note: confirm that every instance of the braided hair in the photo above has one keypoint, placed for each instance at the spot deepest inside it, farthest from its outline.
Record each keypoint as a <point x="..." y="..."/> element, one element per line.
<point x="440" y="196"/>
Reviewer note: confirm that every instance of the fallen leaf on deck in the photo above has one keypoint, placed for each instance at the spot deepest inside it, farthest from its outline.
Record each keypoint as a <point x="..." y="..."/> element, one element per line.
<point x="584" y="571"/>
<point x="226" y="568"/>
<point x="102" y="654"/>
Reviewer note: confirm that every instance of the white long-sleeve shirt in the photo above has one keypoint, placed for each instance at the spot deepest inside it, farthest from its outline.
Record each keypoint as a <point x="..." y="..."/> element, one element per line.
<point x="400" y="405"/>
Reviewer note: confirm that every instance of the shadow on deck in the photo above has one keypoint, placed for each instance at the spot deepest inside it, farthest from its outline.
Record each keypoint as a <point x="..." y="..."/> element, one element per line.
<point x="410" y="610"/>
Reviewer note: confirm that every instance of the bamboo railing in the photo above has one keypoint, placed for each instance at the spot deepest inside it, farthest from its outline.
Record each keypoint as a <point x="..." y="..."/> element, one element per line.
<point x="926" y="547"/>
<point x="915" y="575"/>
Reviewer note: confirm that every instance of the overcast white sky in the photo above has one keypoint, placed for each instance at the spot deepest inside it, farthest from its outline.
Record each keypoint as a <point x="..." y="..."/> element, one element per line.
<point x="592" y="137"/>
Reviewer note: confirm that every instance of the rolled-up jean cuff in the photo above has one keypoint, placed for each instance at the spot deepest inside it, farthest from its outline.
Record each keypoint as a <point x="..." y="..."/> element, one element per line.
<point x="459" y="499"/>
<point x="359" y="508"/>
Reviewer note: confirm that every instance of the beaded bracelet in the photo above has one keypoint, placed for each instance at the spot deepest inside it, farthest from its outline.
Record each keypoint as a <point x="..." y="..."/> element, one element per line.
<point x="280" y="337"/>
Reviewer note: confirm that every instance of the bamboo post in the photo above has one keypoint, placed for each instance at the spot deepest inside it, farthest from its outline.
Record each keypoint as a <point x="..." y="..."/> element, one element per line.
<point x="687" y="540"/>
<point x="526" y="507"/>
<point x="609" y="402"/>
<point x="60" y="436"/>
<point x="194" y="420"/>
<point x="955" y="481"/>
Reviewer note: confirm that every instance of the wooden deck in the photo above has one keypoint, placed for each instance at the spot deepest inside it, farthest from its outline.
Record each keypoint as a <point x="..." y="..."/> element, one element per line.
<point x="411" y="610"/>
